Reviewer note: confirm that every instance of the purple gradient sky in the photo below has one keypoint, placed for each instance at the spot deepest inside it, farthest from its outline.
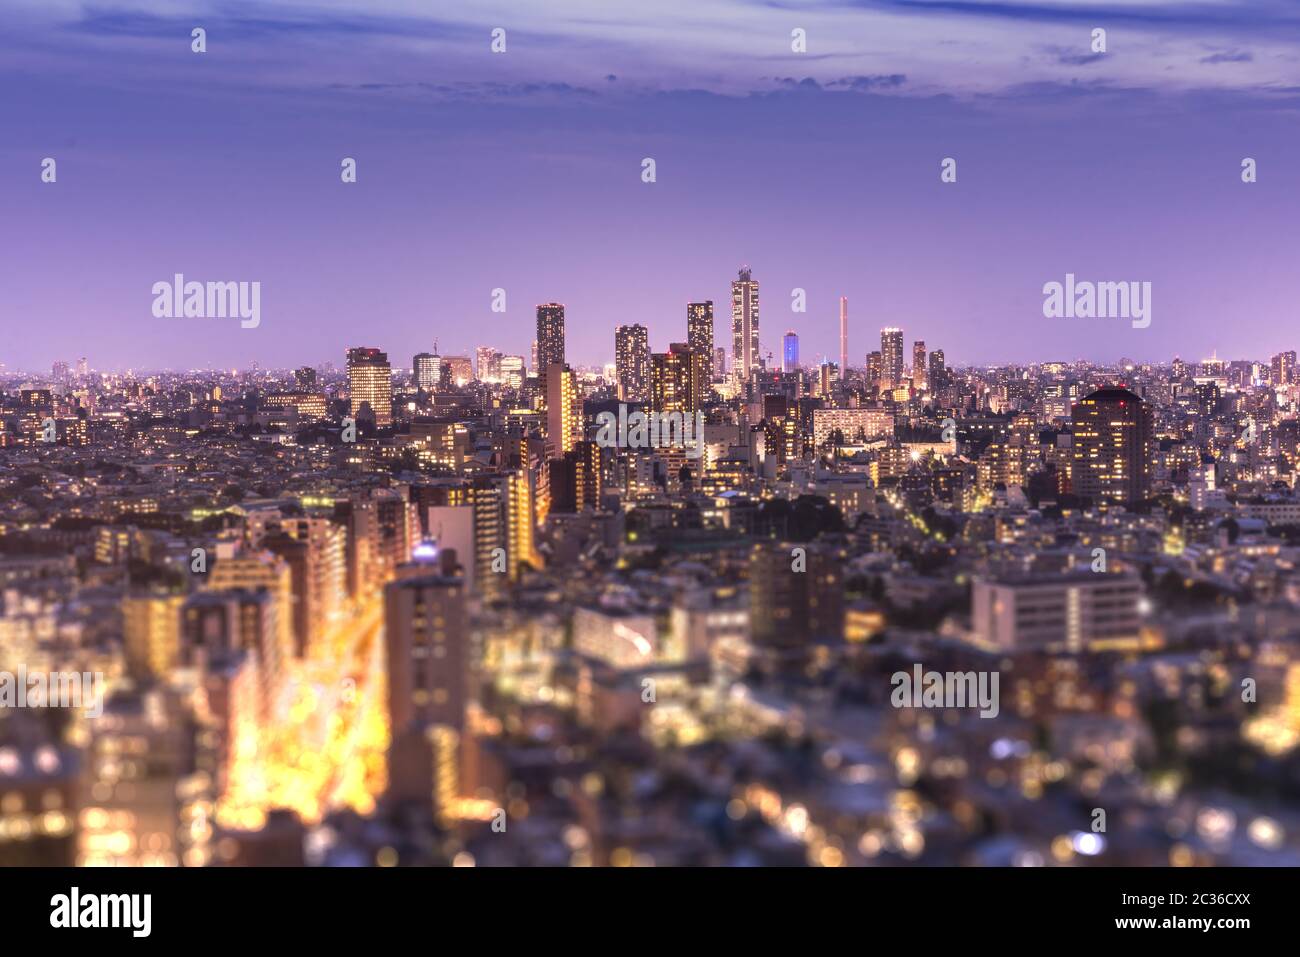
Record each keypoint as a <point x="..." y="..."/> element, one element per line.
<point x="523" y="171"/>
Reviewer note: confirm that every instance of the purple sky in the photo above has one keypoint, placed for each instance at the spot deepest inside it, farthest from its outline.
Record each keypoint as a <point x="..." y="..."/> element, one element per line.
<point x="522" y="171"/>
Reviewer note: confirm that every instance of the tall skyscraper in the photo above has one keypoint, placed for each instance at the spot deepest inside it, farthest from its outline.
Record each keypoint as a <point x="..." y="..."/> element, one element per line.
<point x="550" y="335"/>
<point x="1283" y="368"/>
<point x="790" y="352"/>
<point x="304" y="377"/>
<point x="844" y="337"/>
<point x="699" y="329"/>
<point x="874" y="368"/>
<point x="891" y="357"/>
<point x="937" y="377"/>
<point x="632" y="363"/>
<point x="676" y="383"/>
<point x="563" y="410"/>
<point x="1112" y="447"/>
<point x="427" y="634"/>
<point x="699" y="336"/>
<point x="745" y="358"/>
<point x="919" y="372"/>
<point x="370" y="384"/>
<point x="427" y="637"/>
<point x="425" y="369"/>
<point x="550" y="342"/>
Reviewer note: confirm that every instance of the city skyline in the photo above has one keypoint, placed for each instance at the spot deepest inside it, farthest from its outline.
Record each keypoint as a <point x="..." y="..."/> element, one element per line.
<point x="458" y="195"/>
<point x="844" y="433"/>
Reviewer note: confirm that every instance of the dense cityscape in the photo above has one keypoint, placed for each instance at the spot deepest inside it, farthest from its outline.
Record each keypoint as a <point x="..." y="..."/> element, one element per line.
<point x="434" y="613"/>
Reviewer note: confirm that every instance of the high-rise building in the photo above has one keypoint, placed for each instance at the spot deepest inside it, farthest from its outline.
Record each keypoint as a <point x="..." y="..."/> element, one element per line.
<point x="828" y="374"/>
<point x="370" y="384"/>
<point x="306" y="378"/>
<point x="513" y="371"/>
<point x="745" y="359"/>
<point x="919" y="371"/>
<point x="1283" y="368"/>
<point x="790" y="351"/>
<point x="426" y="371"/>
<point x="563" y="410"/>
<point x="937" y="377"/>
<point x="577" y="479"/>
<point x="456" y="371"/>
<point x="700" y="329"/>
<point x="550" y="341"/>
<point x="632" y="363"/>
<point x="152" y="633"/>
<point x="550" y="334"/>
<point x="1111" y="453"/>
<point x="676" y="380"/>
<point x="874" y="368"/>
<point x="488" y="364"/>
<point x="426" y="634"/>
<point x="891" y="357"/>
<point x="719" y="363"/>
<point x="699" y="336"/>
<point x="789" y="608"/>
<point x="844" y="337"/>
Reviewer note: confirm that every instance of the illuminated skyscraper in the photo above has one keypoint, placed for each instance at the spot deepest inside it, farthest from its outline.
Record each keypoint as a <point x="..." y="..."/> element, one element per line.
<point x="676" y="380"/>
<point x="550" y="334"/>
<point x="425" y="370"/>
<point x="563" y="410"/>
<point x="305" y="377"/>
<point x="919" y="377"/>
<point x="699" y="331"/>
<point x="937" y="377"/>
<point x="487" y="364"/>
<point x="844" y="336"/>
<point x="891" y="357"/>
<point x="873" y="368"/>
<point x="790" y="352"/>
<point x="632" y="363"/>
<point x="550" y="341"/>
<point x="1112" y="447"/>
<point x="1283" y="368"/>
<point x="370" y="383"/>
<point x="745" y="358"/>
<point x="577" y="479"/>
<point x="426" y="633"/>
<point x="152" y="634"/>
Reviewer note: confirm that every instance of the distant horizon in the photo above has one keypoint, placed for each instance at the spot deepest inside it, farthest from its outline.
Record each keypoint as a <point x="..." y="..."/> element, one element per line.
<point x="340" y="365"/>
